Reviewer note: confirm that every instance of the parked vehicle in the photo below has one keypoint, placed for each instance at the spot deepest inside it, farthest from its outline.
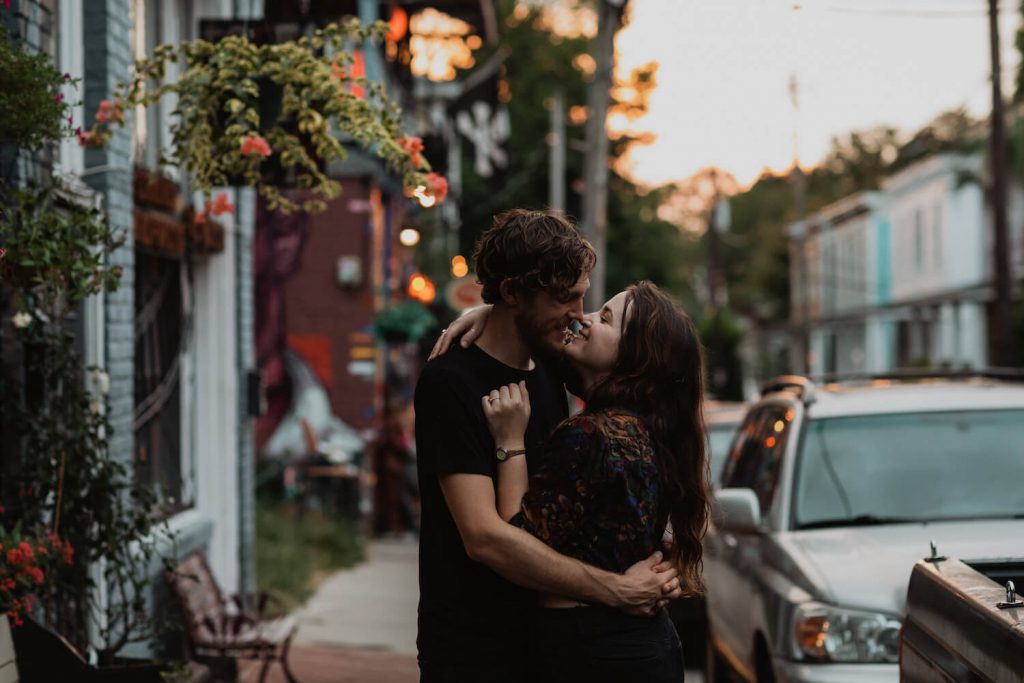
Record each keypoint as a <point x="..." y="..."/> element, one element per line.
<point x="690" y="614"/>
<point x="963" y="622"/>
<point x="831" y="494"/>
<point x="723" y="418"/>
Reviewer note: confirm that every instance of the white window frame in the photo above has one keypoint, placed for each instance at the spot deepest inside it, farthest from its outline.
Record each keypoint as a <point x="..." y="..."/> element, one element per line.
<point x="71" y="60"/>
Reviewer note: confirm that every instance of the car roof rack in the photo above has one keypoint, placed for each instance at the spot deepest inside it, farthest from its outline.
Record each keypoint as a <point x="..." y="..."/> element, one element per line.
<point x="1005" y="374"/>
<point x="803" y="385"/>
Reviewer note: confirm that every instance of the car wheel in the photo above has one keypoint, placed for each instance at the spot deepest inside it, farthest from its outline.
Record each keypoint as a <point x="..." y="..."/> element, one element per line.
<point x="763" y="664"/>
<point x="714" y="667"/>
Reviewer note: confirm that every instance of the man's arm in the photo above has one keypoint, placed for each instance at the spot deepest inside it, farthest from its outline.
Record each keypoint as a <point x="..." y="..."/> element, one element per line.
<point x="523" y="559"/>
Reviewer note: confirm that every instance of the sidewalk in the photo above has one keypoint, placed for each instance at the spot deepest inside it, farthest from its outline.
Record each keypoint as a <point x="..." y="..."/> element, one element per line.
<point x="360" y="626"/>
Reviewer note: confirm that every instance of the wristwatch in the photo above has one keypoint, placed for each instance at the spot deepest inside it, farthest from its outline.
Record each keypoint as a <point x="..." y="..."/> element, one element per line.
<point x="503" y="454"/>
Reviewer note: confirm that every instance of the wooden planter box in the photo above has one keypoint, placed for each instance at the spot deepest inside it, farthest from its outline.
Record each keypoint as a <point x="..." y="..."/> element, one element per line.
<point x="45" y="657"/>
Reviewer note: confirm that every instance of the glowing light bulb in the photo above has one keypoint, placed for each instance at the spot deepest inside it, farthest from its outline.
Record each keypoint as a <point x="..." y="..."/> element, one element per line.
<point x="409" y="237"/>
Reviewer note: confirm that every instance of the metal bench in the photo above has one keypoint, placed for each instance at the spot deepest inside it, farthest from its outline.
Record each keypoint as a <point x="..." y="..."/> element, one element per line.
<point x="237" y="628"/>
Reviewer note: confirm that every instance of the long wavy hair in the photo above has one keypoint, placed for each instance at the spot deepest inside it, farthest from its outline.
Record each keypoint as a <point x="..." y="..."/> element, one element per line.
<point x="659" y="374"/>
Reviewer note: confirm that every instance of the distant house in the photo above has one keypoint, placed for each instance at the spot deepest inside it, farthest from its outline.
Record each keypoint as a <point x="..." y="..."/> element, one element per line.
<point x="839" y="282"/>
<point x="941" y="263"/>
<point x="896" y="278"/>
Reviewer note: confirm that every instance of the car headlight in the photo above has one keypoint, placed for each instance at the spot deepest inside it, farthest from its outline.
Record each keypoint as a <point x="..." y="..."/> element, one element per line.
<point x="824" y="633"/>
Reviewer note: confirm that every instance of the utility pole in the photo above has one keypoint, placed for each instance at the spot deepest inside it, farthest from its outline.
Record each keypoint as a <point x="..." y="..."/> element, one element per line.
<point x="556" y="156"/>
<point x="713" y="257"/>
<point x="799" y="212"/>
<point x="1000" y="344"/>
<point x="595" y="165"/>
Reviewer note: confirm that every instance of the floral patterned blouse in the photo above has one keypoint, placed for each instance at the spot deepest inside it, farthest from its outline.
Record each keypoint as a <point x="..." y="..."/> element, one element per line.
<point x="595" y="497"/>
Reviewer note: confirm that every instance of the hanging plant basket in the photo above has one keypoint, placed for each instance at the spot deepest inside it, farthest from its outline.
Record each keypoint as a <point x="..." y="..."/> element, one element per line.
<point x="272" y="172"/>
<point x="270" y="116"/>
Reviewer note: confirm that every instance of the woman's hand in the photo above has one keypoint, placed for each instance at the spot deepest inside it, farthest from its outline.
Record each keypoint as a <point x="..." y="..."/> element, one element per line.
<point x="508" y="412"/>
<point x="470" y="325"/>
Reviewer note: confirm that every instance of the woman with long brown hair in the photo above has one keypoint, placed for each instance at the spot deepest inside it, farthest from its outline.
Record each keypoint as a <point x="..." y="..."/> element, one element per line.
<point x="611" y="480"/>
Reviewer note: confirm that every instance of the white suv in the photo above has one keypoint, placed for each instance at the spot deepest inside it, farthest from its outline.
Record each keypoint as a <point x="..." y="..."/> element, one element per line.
<point x="830" y="495"/>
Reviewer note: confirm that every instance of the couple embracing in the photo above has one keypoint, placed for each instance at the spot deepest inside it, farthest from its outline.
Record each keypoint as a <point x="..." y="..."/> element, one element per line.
<point x="541" y="548"/>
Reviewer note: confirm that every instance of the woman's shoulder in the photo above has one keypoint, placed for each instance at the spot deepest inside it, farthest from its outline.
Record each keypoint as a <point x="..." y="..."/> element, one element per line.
<point x="604" y="424"/>
<point x="619" y="422"/>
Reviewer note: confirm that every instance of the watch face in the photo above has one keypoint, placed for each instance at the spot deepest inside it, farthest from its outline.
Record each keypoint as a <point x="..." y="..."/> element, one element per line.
<point x="501" y="454"/>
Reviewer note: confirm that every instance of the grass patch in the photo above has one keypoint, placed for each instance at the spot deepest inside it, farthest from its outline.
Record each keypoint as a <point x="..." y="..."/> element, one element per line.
<point x="293" y="554"/>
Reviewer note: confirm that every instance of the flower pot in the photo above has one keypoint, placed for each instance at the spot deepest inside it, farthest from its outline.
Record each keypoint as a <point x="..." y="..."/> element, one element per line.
<point x="44" y="656"/>
<point x="269" y="108"/>
<point x="124" y="670"/>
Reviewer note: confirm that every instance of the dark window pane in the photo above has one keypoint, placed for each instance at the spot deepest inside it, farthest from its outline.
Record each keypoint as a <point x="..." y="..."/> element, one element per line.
<point x="158" y="339"/>
<point x="719" y="439"/>
<point x="757" y="456"/>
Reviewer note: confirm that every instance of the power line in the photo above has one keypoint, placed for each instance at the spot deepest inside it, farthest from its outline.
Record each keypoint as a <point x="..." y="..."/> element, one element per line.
<point x="951" y="13"/>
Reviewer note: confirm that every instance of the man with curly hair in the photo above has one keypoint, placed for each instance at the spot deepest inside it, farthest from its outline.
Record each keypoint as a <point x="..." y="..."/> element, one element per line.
<point x="476" y="571"/>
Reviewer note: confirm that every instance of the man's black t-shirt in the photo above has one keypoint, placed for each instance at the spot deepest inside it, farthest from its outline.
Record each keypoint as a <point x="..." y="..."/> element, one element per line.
<point x="467" y="612"/>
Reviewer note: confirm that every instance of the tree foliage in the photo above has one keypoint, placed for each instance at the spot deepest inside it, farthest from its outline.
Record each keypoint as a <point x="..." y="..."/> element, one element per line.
<point x="541" y="58"/>
<point x="33" y="111"/>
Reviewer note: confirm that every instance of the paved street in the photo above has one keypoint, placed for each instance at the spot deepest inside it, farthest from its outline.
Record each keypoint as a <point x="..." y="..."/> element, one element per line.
<point x="360" y="626"/>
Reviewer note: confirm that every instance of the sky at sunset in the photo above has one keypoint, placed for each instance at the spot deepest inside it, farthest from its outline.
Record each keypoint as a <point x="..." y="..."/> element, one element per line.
<point x="722" y="96"/>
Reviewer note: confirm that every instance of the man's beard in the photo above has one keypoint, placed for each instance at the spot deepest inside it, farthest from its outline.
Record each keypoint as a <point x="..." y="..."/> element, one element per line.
<point x="537" y="339"/>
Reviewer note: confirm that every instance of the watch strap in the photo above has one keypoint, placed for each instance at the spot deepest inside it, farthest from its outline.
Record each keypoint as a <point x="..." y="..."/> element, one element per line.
<point x="503" y="454"/>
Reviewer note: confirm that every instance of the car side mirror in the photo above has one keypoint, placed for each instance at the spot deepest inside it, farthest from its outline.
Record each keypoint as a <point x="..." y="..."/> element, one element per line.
<point x="737" y="510"/>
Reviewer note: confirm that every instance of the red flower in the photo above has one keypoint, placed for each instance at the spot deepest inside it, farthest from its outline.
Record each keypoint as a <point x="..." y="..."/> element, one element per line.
<point x="200" y="218"/>
<point x="438" y="186"/>
<point x="69" y="553"/>
<point x="15" y="557"/>
<point x="412" y="146"/>
<point x="58" y="98"/>
<point x="85" y="138"/>
<point x="221" y="204"/>
<point x="7" y="4"/>
<point x="253" y="145"/>
<point x="36" y="574"/>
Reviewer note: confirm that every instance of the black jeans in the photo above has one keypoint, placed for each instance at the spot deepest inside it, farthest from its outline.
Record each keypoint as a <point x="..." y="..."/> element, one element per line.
<point x="601" y="645"/>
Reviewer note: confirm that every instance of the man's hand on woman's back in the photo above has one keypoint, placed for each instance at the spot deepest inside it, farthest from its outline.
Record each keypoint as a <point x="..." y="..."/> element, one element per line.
<point x="648" y="586"/>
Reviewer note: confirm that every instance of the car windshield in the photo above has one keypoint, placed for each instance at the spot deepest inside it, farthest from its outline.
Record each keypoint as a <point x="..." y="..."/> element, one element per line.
<point x="908" y="467"/>
<point x="719" y="439"/>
